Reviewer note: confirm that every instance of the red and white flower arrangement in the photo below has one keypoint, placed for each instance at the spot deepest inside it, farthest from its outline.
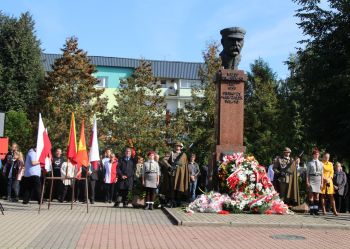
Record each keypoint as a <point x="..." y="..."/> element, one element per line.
<point x="248" y="190"/>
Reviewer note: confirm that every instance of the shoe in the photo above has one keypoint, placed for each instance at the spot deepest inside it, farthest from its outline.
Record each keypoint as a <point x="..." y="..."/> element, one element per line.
<point x="116" y="205"/>
<point x="92" y="202"/>
<point x="109" y="201"/>
<point x="25" y="202"/>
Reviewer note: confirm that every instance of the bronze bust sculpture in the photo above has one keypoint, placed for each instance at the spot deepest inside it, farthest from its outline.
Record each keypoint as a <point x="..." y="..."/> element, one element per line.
<point x="232" y="42"/>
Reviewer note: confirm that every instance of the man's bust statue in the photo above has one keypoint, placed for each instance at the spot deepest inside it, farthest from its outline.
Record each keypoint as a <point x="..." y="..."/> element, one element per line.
<point x="232" y="42"/>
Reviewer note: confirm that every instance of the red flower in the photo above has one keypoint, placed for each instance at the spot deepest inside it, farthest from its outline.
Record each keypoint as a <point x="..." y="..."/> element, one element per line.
<point x="265" y="182"/>
<point x="223" y="212"/>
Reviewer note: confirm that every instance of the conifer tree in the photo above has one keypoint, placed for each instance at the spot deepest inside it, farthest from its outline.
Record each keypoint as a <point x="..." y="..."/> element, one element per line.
<point x="201" y="112"/>
<point x="323" y="73"/>
<point x="262" y="113"/>
<point x="70" y="87"/>
<point x="21" y="67"/>
<point x="139" y="114"/>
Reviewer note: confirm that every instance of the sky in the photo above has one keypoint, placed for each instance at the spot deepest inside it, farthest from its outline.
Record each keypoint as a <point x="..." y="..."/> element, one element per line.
<point x="177" y="30"/>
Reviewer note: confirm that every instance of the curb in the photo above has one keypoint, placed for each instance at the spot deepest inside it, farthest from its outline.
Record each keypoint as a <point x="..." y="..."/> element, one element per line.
<point x="172" y="217"/>
<point x="177" y="221"/>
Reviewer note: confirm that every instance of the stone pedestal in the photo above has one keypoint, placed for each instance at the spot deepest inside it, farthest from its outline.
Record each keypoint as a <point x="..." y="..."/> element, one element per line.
<point x="230" y="111"/>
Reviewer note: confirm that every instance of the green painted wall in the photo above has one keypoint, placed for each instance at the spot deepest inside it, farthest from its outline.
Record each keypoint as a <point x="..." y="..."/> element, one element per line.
<point x="114" y="75"/>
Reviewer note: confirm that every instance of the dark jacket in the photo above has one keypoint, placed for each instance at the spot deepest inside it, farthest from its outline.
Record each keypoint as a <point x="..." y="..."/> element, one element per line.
<point x="126" y="168"/>
<point x="340" y="181"/>
<point x="7" y="164"/>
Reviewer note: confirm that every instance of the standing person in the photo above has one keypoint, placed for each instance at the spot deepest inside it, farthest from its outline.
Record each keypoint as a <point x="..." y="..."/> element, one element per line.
<point x="57" y="162"/>
<point x="107" y="157"/>
<point x="67" y="171"/>
<point x="340" y="182"/>
<point x="270" y="172"/>
<point x="125" y="172"/>
<point x="178" y="181"/>
<point x="194" y="172"/>
<point x="7" y="165"/>
<point x="110" y="177"/>
<point x="93" y="172"/>
<point x="293" y="195"/>
<point x="314" y="181"/>
<point x="32" y="173"/>
<point x="80" y="184"/>
<point x="282" y="173"/>
<point x="15" y="176"/>
<point x="328" y="189"/>
<point x="150" y="179"/>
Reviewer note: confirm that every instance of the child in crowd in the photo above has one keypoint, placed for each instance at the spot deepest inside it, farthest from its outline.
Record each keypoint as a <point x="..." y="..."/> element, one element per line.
<point x="150" y="179"/>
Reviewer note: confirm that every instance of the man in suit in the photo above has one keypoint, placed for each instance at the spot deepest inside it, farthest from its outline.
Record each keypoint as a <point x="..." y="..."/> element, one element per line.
<point x="125" y="171"/>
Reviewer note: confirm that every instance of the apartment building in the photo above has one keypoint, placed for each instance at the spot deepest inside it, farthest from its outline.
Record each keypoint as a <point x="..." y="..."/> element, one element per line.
<point x="175" y="78"/>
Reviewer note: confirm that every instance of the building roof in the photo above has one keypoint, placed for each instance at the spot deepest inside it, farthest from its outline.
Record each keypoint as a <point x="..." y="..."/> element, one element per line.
<point x="161" y="69"/>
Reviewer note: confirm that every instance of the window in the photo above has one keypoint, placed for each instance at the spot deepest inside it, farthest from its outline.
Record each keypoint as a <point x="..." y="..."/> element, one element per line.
<point x="102" y="82"/>
<point x="163" y="83"/>
<point x="188" y="83"/>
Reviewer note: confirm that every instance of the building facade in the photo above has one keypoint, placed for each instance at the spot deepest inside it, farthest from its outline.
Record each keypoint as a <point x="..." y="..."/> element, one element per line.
<point x="176" y="79"/>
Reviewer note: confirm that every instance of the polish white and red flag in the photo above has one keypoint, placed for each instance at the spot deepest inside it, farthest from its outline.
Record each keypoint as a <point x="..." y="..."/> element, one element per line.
<point x="94" y="155"/>
<point x="43" y="146"/>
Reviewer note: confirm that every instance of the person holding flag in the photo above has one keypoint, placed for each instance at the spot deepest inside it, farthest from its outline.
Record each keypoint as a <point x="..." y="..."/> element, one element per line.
<point x="37" y="157"/>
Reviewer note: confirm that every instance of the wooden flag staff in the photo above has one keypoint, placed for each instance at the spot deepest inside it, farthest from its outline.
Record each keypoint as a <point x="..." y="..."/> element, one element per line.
<point x="53" y="178"/>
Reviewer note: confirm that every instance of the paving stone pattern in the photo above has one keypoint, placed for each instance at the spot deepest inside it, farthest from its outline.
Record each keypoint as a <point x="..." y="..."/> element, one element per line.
<point x="108" y="227"/>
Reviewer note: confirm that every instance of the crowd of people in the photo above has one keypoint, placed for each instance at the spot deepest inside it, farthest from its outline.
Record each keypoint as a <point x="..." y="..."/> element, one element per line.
<point x="326" y="185"/>
<point x="173" y="177"/>
<point x="114" y="179"/>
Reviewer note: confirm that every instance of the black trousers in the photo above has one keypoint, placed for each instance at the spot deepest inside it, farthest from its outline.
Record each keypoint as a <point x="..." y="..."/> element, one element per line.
<point x="150" y="194"/>
<point x="92" y="186"/>
<point x="32" y="185"/>
<point x="64" y="192"/>
<point x="80" y="190"/>
<point x="109" y="191"/>
<point x="122" y="196"/>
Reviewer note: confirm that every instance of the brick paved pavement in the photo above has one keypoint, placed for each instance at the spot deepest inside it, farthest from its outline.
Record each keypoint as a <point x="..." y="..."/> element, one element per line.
<point x="107" y="227"/>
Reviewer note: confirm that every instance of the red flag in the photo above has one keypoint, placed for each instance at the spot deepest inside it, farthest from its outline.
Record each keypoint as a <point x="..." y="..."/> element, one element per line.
<point x="82" y="158"/>
<point x="72" y="143"/>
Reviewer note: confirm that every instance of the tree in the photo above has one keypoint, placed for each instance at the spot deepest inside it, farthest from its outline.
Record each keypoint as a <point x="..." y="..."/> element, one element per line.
<point x="291" y="99"/>
<point x="20" y="60"/>
<point x="70" y="87"/>
<point x="18" y="129"/>
<point x="323" y="73"/>
<point x="138" y="118"/>
<point x="202" y="110"/>
<point x="262" y="113"/>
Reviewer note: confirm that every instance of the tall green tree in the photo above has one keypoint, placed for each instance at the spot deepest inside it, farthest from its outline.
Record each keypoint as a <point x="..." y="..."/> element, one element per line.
<point x="292" y="127"/>
<point x="20" y="60"/>
<point x="138" y="118"/>
<point x="70" y="87"/>
<point x="18" y="128"/>
<point x="262" y="113"/>
<point x="201" y="112"/>
<point x="324" y="72"/>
